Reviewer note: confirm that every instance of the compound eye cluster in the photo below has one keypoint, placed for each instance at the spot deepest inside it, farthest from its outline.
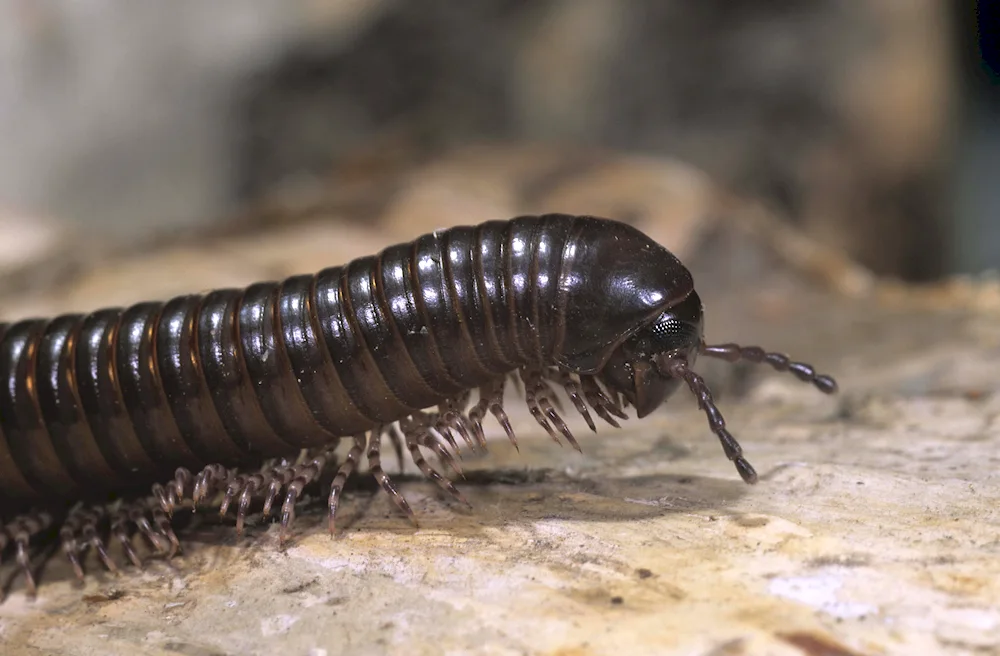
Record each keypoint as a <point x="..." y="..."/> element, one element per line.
<point x="664" y="329"/>
<point x="669" y="333"/>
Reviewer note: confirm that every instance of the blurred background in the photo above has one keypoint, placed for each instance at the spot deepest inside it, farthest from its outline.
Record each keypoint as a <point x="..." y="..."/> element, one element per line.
<point x="871" y="127"/>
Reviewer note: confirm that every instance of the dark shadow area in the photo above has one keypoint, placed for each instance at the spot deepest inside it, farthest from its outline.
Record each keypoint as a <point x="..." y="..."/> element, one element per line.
<point x="499" y="497"/>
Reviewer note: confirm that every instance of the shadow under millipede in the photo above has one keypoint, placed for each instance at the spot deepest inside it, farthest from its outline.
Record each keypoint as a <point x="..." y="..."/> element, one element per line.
<point x="500" y="497"/>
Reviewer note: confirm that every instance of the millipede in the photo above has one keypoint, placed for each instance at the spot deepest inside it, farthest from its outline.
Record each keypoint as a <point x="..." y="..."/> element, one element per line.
<point x="113" y="421"/>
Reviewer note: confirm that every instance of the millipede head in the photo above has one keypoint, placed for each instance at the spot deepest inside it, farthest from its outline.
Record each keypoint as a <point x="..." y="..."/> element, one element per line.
<point x="655" y="361"/>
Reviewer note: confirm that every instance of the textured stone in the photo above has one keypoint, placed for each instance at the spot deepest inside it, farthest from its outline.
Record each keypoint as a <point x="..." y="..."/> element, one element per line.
<point x="873" y="529"/>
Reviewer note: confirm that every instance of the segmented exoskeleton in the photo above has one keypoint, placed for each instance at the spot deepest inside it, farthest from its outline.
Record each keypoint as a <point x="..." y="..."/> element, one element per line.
<point x="104" y="405"/>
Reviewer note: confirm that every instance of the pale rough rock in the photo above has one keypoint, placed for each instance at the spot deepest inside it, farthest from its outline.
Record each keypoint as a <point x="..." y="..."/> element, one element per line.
<point x="874" y="529"/>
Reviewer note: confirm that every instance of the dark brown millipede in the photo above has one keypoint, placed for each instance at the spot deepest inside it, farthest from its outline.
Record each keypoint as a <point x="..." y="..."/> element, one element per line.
<point x="97" y="409"/>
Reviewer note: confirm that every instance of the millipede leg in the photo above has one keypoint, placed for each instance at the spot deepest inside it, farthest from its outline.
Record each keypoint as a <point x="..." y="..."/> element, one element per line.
<point x="430" y="440"/>
<point x="175" y="491"/>
<point x="69" y="543"/>
<point x="375" y="465"/>
<point x="24" y="562"/>
<point x="93" y="539"/>
<point x="491" y="399"/>
<point x="447" y="430"/>
<point x="397" y="446"/>
<point x="209" y="482"/>
<point x="215" y="479"/>
<point x="452" y="416"/>
<point x="162" y="523"/>
<point x="602" y="404"/>
<point x="529" y="396"/>
<point x="292" y="493"/>
<point x="343" y="473"/>
<point x="303" y="474"/>
<point x="280" y="477"/>
<point x="575" y="393"/>
<point x="119" y="528"/>
<point x="415" y="436"/>
<point x="235" y="487"/>
<point x="538" y="395"/>
<point x="253" y="484"/>
<point x="137" y="515"/>
<point x="87" y="533"/>
<point x="20" y="532"/>
<point x="496" y="409"/>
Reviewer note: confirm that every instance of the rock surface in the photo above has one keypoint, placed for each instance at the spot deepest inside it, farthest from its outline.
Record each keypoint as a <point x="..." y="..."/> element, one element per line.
<point x="873" y="530"/>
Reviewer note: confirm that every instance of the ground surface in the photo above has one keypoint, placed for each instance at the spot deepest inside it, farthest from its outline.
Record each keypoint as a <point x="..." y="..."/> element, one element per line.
<point x="874" y="528"/>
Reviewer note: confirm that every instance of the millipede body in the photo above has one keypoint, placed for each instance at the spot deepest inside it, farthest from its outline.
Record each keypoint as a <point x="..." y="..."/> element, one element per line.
<point x="111" y="421"/>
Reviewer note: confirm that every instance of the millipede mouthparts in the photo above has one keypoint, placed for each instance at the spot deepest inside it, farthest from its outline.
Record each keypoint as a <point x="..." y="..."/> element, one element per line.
<point x="112" y="421"/>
